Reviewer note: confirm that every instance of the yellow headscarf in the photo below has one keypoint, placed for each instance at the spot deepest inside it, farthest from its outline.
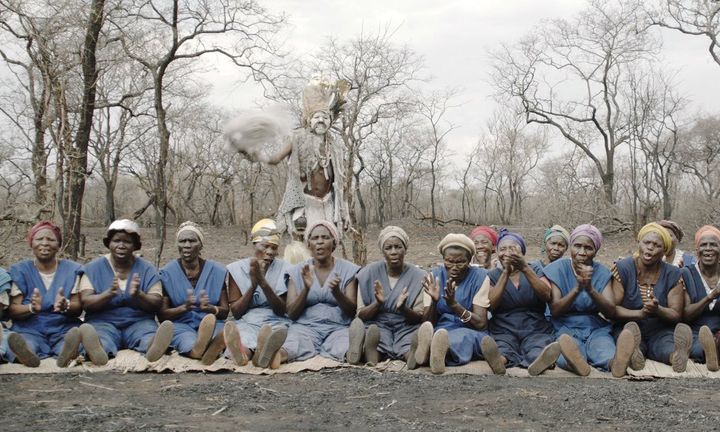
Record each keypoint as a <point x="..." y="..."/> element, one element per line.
<point x="654" y="227"/>
<point x="265" y="230"/>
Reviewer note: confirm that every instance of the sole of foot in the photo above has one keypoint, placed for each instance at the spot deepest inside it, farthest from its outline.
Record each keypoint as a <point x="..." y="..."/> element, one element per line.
<point x="204" y="336"/>
<point x="372" y="339"/>
<point x="23" y="354"/>
<point x="161" y="341"/>
<point x="492" y="356"/>
<point x="273" y="344"/>
<point x="571" y="352"/>
<point x="411" y="363"/>
<point x="707" y="341"/>
<point x="71" y="345"/>
<point x="624" y="348"/>
<point x="548" y="356"/>
<point x="92" y="345"/>
<point x="216" y="347"/>
<point x="682" y="338"/>
<point x="234" y="343"/>
<point x="425" y="335"/>
<point x="262" y="336"/>
<point x="438" y="350"/>
<point x="637" y="359"/>
<point x="357" y="338"/>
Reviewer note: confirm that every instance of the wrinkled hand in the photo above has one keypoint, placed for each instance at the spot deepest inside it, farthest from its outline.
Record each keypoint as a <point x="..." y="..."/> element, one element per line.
<point x="518" y="262"/>
<point x="254" y="272"/>
<point x="190" y="300"/>
<point x="61" y="303"/>
<point x="449" y="295"/>
<point x="507" y="265"/>
<point x="650" y="304"/>
<point x="715" y="293"/>
<point x="379" y="293"/>
<point x="333" y="283"/>
<point x="584" y="275"/>
<point x="134" y="285"/>
<point x="115" y="287"/>
<point x="431" y="286"/>
<point x="36" y="301"/>
<point x="307" y="275"/>
<point x="204" y="300"/>
<point x="402" y="298"/>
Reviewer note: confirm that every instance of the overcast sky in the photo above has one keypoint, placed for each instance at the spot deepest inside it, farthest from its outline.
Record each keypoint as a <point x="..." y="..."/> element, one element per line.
<point x="454" y="36"/>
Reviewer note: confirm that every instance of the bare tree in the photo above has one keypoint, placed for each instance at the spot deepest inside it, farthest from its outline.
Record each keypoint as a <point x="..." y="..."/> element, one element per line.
<point x="691" y="17"/>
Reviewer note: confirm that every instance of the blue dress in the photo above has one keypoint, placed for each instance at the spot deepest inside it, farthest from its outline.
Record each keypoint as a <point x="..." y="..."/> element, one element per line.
<point x="120" y="324"/>
<point x="323" y="326"/>
<point x="518" y="324"/>
<point x="464" y="341"/>
<point x="395" y="332"/>
<point x="259" y="312"/>
<point x="582" y="321"/>
<point x="657" y="335"/>
<point x="710" y="316"/>
<point x="176" y="284"/>
<point x="45" y="331"/>
<point x="5" y="285"/>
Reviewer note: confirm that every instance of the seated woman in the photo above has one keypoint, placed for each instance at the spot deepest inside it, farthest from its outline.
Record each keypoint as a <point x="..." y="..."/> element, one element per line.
<point x="390" y="303"/>
<point x="650" y="292"/>
<point x="195" y="298"/>
<point x="555" y="243"/>
<point x="321" y="298"/>
<point x="519" y="333"/>
<point x="456" y="301"/>
<point x="5" y="285"/>
<point x="702" y="284"/>
<point x="485" y="240"/>
<point x="580" y="292"/>
<point x="257" y="294"/>
<point x="121" y="294"/>
<point x="42" y="309"/>
<point x="675" y="256"/>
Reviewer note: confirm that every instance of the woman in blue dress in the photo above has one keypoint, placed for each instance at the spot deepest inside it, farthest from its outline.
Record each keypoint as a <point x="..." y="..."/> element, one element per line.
<point x="520" y="335"/>
<point x="556" y="241"/>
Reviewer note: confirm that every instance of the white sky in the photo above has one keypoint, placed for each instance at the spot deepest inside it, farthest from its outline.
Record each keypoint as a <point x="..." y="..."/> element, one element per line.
<point x="454" y="36"/>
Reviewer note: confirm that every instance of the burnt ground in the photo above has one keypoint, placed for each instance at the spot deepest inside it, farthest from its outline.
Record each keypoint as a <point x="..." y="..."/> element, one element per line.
<point x="351" y="399"/>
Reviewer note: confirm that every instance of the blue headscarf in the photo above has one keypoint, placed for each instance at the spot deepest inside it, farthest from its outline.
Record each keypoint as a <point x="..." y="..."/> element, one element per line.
<point x="517" y="238"/>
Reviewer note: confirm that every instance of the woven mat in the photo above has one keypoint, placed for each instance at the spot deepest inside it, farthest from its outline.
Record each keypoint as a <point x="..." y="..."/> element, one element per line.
<point x="131" y="361"/>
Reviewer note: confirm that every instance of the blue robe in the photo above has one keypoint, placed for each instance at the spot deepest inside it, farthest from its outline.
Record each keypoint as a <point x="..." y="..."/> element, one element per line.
<point x="582" y="321"/>
<point x="176" y="284"/>
<point x="464" y="341"/>
<point x="519" y="325"/>
<point x="657" y="335"/>
<point x="323" y="327"/>
<point x="45" y="331"/>
<point x="259" y="312"/>
<point x="5" y="285"/>
<point x="120" y="324"/>
<point x="395" y="332"/>
<point x="695" y="288"/>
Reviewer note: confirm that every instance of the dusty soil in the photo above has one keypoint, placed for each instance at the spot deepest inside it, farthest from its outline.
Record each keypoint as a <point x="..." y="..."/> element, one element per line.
<point x="351" y="399"/>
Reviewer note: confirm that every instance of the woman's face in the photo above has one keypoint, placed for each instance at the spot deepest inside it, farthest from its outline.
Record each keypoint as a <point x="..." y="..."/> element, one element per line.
<point x="457" y="262"/>
<point x="483" y="248"/>
<point x="582" y="250"/>
<point x="121" y="246"/>
<point x="508" y="247"/>
<point x="708" y="250"/>
<point x="321" y="243"/>
<point x="45" y="245"/>
<point x="266" y="252"/>
<point x="394" y="252"/>
<point x="555" y="247"/>
<point x="651" y="248"/>
<point x="189" y="246"/>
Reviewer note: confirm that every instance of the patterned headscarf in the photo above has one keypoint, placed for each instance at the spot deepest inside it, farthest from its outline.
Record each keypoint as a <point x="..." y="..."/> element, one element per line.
<point x="41" y="226"/>
<point x="654" y="227"/>
<point x="265" y="230"/>
<point x="589" y="231"/>
<point x="192" y="227"/>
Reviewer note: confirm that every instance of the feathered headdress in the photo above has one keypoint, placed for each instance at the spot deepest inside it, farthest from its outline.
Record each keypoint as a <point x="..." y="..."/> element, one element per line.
<point x="321" y="94"/>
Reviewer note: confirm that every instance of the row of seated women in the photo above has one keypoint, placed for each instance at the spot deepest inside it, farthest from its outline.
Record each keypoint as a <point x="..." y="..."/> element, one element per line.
<point x="485" y="302"/>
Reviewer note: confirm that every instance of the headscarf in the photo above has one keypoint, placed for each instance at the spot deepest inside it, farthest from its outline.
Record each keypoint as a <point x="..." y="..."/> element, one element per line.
<point x="589" y="231"/>
<point x="41" y="226"/>
<point x="488" y="232"/>
<point x="393" y="231"/>
<point x="265" y="230"/>
<point x="659" y="230"/>
<point x="675" y="228"/>
<point x="553" y="231"/>
<point x="192" y="227"/>
<point x="517" y="238"/>
<point x="458" y="240"/>
<point x="124" y="225"/>
<point x="330" y="227"/>
<point x="704" y="231"/>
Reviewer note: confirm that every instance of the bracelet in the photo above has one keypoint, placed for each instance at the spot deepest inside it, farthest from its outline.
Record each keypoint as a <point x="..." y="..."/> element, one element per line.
<point x="465" y="319"/>
<point x="30" y="309"/>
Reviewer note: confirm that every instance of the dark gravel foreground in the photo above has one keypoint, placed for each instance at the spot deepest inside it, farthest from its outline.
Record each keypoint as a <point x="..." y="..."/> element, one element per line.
<point x="351" y="399"/>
